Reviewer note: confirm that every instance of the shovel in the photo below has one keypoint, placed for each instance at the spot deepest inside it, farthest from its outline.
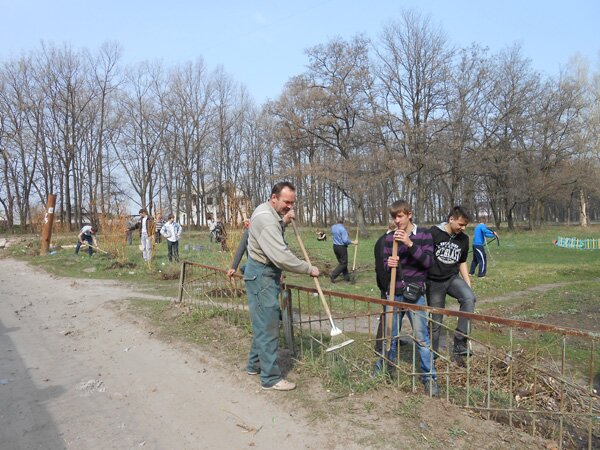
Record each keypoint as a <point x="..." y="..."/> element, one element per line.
<point x="335" y="331"/>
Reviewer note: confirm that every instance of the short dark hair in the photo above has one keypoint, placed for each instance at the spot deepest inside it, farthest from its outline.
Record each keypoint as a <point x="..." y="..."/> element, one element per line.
<point x="143" y="211"/>
<point x="171" y="216"/>
<point x="457" y="212"/>
<point x="277" y="188"/>
<point x="94" y="228"/>
<point x="340" y="220"/>
<point x="399" y="206"/>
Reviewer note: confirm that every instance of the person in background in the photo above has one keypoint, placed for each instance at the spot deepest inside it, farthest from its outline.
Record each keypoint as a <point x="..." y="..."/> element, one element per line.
<point x="131" y="225"/>
<point x="341" y="241"/>
<point x="268" y="256"/>
<point x="239" y="253"/>
<point x="171" y="230"/>
<point x="87" y="234"/>
<point x="158" y="224"/>
<point x="211" y="227"/>
<point x="481" y="233"/>
<point x="146" y="225"/>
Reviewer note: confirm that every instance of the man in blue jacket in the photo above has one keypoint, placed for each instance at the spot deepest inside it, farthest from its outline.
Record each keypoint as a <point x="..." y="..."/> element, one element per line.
<point x="341" y="241"/>
<point x="482" y="232"/>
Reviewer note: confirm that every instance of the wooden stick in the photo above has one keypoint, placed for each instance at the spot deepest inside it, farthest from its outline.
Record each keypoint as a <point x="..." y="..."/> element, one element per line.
<point x="317" y="284"/>
<point x="355" y="250"/>
<point x="389" y="320"/>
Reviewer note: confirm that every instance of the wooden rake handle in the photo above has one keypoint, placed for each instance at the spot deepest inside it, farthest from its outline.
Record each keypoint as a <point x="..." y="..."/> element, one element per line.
<point x="355" y="250"/>
<point x="390" y="319"/>
<point x="317" y="284"/>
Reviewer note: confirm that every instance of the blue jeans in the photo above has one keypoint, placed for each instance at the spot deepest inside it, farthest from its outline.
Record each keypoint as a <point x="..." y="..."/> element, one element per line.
<point x="89" y="240"/>
<point x="418" y="321"/>
<point x="173" y="249"/>
<point x="436" y="297"/>
<point x="262" y="286"/>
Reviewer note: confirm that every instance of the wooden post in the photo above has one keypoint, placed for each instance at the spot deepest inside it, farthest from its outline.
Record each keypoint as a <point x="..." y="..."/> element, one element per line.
<point x="47" y="226"/>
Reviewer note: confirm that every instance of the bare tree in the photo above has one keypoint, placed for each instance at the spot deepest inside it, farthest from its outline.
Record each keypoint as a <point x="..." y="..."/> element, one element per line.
<point x="338" y="82"/>
<point x="414" y="64"/>
<point x="20" y="152"/>
<point x="189" y="105"/>
<point x="138" y="145"/>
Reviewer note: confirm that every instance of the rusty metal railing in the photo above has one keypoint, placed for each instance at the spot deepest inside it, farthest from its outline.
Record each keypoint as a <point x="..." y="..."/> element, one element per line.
<point x="537" y="377"/>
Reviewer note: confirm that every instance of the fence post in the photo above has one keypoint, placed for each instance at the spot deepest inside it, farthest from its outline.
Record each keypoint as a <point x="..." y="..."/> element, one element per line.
<point x="181" y="281"/>
<point x="287" y="318"/>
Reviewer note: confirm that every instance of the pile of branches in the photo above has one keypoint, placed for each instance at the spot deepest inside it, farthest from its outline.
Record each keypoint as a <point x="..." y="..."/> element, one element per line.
<point x="521" y="391"/>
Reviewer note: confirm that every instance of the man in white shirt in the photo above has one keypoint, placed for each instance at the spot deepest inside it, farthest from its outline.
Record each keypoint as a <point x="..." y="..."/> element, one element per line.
<point x="146" y="234"/>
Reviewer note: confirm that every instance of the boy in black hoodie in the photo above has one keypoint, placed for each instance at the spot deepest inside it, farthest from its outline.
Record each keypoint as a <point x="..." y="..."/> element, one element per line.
<point x="450" y="249"/>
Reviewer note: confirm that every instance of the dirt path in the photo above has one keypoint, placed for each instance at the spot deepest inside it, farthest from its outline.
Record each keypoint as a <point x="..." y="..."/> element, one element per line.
<point x="76" y="375"/>
<point x="517" y="294"/>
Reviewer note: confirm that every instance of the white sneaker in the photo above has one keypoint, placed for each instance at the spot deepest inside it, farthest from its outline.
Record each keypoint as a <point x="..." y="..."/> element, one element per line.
<point x="281" y="385"/>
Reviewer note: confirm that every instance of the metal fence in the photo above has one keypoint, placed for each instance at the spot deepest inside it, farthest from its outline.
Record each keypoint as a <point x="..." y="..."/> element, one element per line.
<point x="532" y="376"/>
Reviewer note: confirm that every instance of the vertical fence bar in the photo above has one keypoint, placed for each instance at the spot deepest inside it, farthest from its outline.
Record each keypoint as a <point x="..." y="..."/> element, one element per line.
<point x="535" y="371"/>
<point x="414" y="349"/>
<point x="562" y="392"/>
<point x="591" y="381"/>
<point x="300" y="327"/>
<point x="468" y="377"/>
<point x="447" y="366"/>
<point x="489" y="370"/>
<point x="510" y="377"/>
<point x="355" y="315"/>
<point x="287" y="317"/>
<point x="181" y="282"/>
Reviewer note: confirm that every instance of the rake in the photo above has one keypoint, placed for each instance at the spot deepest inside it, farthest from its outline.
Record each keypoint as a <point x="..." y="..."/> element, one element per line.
<point x="335" y="331"/>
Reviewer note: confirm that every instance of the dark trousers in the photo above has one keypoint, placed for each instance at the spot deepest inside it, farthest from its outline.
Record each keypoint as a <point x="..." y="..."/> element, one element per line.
<point x="341" y="253"/>
<point x="173" y="250"/>
<point x="89" y="240"/>
<point x="436" y="297"/>
<point x="479" y="259"/>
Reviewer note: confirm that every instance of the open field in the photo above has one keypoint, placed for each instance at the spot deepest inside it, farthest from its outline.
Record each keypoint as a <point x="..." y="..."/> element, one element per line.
<point x="528" y="278"/>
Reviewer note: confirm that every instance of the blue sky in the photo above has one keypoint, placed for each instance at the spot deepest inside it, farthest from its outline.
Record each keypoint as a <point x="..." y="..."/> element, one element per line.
<point x="261" y="43"/>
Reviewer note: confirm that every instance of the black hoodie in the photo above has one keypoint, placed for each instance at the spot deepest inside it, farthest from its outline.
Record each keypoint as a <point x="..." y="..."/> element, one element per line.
<point x="449" y="252"/>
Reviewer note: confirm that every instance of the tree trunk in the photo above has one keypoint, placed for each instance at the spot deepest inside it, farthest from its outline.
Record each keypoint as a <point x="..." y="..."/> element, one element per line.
<point x="583" y="217"/>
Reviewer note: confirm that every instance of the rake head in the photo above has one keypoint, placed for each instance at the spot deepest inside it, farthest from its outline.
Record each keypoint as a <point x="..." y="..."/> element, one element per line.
<point x="338" y="346"/>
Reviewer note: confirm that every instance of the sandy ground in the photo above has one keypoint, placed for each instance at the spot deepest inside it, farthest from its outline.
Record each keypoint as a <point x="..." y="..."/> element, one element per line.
<point x="75" y="374"/>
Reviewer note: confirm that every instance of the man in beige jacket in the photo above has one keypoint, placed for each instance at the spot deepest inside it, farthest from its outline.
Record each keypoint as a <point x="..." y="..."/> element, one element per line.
<point x="268" y="256"/>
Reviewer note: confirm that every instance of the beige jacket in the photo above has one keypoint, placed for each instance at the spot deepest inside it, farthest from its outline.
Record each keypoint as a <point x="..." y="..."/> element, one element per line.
<point x="266" y="244"/>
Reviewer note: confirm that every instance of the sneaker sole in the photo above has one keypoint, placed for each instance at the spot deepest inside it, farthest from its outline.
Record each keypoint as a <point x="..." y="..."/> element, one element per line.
<point x="273" y="388"/>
